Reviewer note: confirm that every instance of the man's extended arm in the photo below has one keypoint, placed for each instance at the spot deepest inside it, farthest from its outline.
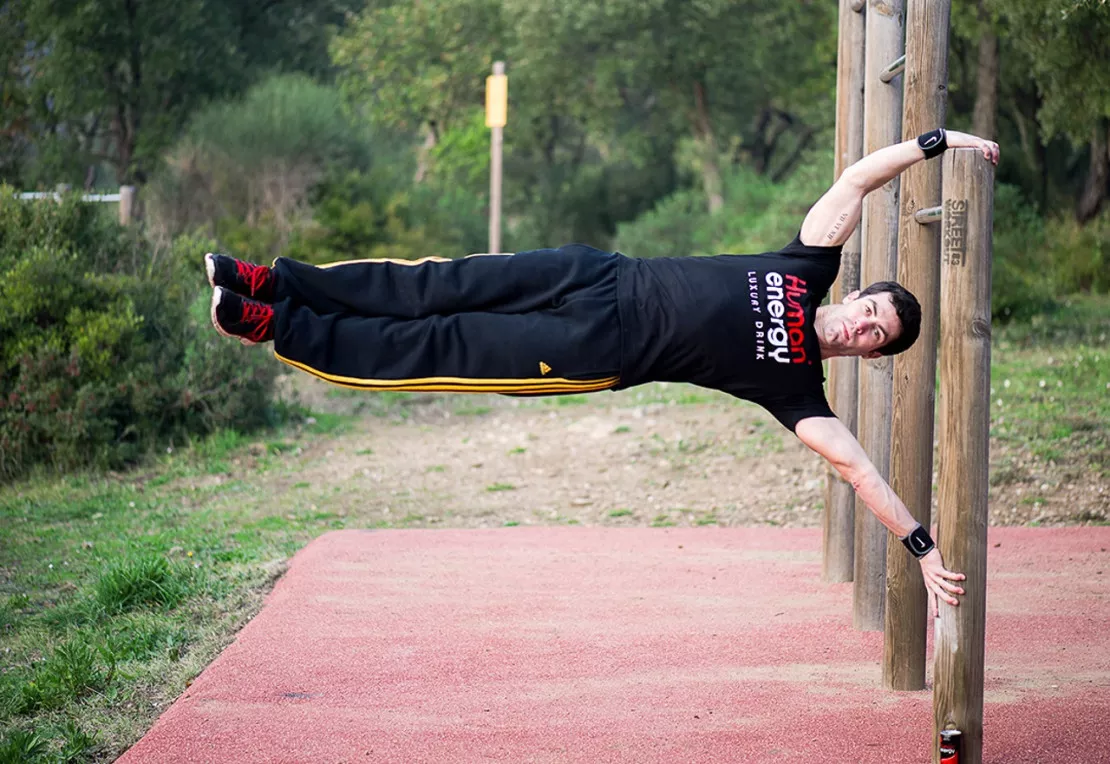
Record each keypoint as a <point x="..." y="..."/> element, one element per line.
<point x="831" y="439"/>
<point x="836" y="214"/>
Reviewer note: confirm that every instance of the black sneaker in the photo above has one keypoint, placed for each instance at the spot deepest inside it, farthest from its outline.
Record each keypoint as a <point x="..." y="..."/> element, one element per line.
<point x="248" y="321"/>
<point x="245" y="279"/>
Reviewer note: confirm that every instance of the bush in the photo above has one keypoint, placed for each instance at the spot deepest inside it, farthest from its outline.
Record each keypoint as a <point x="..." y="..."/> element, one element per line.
<point x="255" y="161"/>
<point x="104" y="352"/>
<point x="759" y="215"/>
<point x="1080" y="255"/>
<point x="286" y="170"/>
<point x="1019" y="287"/>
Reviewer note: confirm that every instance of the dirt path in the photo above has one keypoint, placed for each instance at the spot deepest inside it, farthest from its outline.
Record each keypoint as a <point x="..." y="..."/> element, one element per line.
<point x="657" y="455"/>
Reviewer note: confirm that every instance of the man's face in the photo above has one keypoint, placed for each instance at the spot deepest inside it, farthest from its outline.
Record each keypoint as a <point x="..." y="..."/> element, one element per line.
<point x="861" y="325"/>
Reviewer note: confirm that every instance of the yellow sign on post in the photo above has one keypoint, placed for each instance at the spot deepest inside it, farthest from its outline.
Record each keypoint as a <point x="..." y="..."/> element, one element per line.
<point x="497" y="108"/>
<point x="497" y="99"/>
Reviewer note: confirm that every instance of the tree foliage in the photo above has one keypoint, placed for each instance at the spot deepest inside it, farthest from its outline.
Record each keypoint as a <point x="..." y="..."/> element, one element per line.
<point x="1065" y="46"/>
<point x="113" y="81"/>
<point x="420" y="64"/>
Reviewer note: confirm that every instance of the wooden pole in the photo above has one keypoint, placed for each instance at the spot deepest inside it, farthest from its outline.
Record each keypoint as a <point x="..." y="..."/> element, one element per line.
<point x="840" y="499"/>
<point x="965" y="368"/>
<point x="915" y="371"/>
<point x="882" y="109"/>
<point x="497" y="127"/>
<point x="126" y="204"/>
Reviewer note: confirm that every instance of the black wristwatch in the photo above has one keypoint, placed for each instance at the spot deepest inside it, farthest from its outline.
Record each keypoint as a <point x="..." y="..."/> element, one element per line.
<point x="919" y="542"/>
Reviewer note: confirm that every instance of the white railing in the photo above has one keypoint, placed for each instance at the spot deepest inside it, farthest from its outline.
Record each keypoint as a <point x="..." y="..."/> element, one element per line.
<point x="125" y="199"/>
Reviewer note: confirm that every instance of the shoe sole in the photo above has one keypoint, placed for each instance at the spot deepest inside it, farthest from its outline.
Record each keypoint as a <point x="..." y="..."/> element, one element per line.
<point x="210" y="269"/>
<point x="217" y="295"/>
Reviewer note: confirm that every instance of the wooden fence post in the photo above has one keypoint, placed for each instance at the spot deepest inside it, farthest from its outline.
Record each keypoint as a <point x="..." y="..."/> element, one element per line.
<point x="882" y="127"/>
<point x="840" y="499"/>
<point x="925" y="93"/>
<point x="126" y="204"/>
<point x="965" y="355"/>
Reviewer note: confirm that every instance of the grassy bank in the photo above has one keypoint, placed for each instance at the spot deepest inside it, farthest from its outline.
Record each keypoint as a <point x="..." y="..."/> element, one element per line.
<point x="116" y="590"/>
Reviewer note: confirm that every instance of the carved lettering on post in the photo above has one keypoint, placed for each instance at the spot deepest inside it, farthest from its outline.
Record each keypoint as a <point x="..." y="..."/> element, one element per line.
<point x="954" y="245"/>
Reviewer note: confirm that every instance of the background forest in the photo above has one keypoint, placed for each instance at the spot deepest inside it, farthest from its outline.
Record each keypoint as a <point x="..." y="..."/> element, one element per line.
<point x="334" y="129"/>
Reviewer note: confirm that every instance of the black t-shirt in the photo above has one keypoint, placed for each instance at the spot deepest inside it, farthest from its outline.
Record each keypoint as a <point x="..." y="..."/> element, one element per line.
<point x="738" y="323"/>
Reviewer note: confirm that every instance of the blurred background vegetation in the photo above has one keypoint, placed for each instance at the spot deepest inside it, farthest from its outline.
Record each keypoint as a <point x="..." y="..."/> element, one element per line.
<point x="335" y="129"/>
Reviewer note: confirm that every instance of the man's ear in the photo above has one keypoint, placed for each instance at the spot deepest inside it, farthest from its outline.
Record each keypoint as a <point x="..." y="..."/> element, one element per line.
<point x="850" y="297"/>
<point x="873" y="355"/>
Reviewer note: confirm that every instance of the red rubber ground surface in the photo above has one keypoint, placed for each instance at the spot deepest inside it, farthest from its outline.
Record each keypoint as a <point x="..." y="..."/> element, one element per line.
<point x="629" y="645"/>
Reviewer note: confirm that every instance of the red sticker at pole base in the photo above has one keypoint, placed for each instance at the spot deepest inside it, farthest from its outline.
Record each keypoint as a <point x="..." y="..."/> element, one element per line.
<point x="950" y="746"/>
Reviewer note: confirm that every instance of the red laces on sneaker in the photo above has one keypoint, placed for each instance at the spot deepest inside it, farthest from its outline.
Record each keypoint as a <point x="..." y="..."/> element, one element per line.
<point x="254" y="276"/>
<point x="260" y="315"/>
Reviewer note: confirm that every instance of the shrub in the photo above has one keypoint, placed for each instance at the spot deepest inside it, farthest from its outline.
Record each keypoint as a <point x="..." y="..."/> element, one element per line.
<point x="250" y="164"/>
<point x="106" y="351"/>
<point x="1019" y="287"/>
<point x="1080" y="255"/>
<point x="759" y="215"/>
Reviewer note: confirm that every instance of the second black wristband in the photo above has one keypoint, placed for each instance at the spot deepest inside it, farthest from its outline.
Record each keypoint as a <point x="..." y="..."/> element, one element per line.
<point x="919" y="542"/>
<point x="933" y="143"/>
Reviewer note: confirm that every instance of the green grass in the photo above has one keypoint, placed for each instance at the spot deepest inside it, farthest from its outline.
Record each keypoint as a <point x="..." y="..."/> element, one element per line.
<point x="566" y="400"/>
<point x="1050" y="381"/>
<point x="117" y="590"/>
<point x="472" y="410"/>
<point x="494" y="488"/>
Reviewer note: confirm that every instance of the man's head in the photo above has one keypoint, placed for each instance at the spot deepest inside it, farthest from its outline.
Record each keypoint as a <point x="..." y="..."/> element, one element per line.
<point x="883" y="319"/>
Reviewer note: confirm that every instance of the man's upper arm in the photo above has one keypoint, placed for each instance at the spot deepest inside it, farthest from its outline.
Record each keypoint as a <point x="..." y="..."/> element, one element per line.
<point x="832" y="219"/>
<point x="829" y="437"/>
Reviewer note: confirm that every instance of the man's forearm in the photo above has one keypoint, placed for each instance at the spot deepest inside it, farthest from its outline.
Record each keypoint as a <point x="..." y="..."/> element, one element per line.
<point x="883" y="165"/>
<point x="831" y="439"/>
<point x="888" y="163"/>
<point x="884" y="503"/>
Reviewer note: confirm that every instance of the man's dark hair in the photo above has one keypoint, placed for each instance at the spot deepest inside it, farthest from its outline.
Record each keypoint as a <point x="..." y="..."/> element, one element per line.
<point x="909" y="314"/>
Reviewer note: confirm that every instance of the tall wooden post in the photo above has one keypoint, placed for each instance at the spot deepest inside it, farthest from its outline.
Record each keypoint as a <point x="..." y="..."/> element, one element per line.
<point x="882" y="106"/>
<point x="965" y="370"/>
<point x="840" y="499"/>
<point x="497" y="94"/>
<point x="911" y="451"/>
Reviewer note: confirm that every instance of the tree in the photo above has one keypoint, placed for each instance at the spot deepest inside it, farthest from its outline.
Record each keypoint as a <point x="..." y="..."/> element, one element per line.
<point x="712" y="70"/>
<point x="118" y="78"/>
<point x="985" y="119"/>
<point x="14" y="128"/>
<point x="420" y="66"/>
<point x="1065" y="46"/>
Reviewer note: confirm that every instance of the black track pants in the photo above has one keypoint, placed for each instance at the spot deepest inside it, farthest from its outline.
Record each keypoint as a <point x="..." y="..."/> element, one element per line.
<point x="541" y="322"/>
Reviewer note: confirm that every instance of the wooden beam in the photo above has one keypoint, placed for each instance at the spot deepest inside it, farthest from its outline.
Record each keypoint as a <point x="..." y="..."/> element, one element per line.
<point x="843" y="373"/>
<point x="965" y="370"/>
<point x="882" y="105"/>
<point x="915" y="371"/>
